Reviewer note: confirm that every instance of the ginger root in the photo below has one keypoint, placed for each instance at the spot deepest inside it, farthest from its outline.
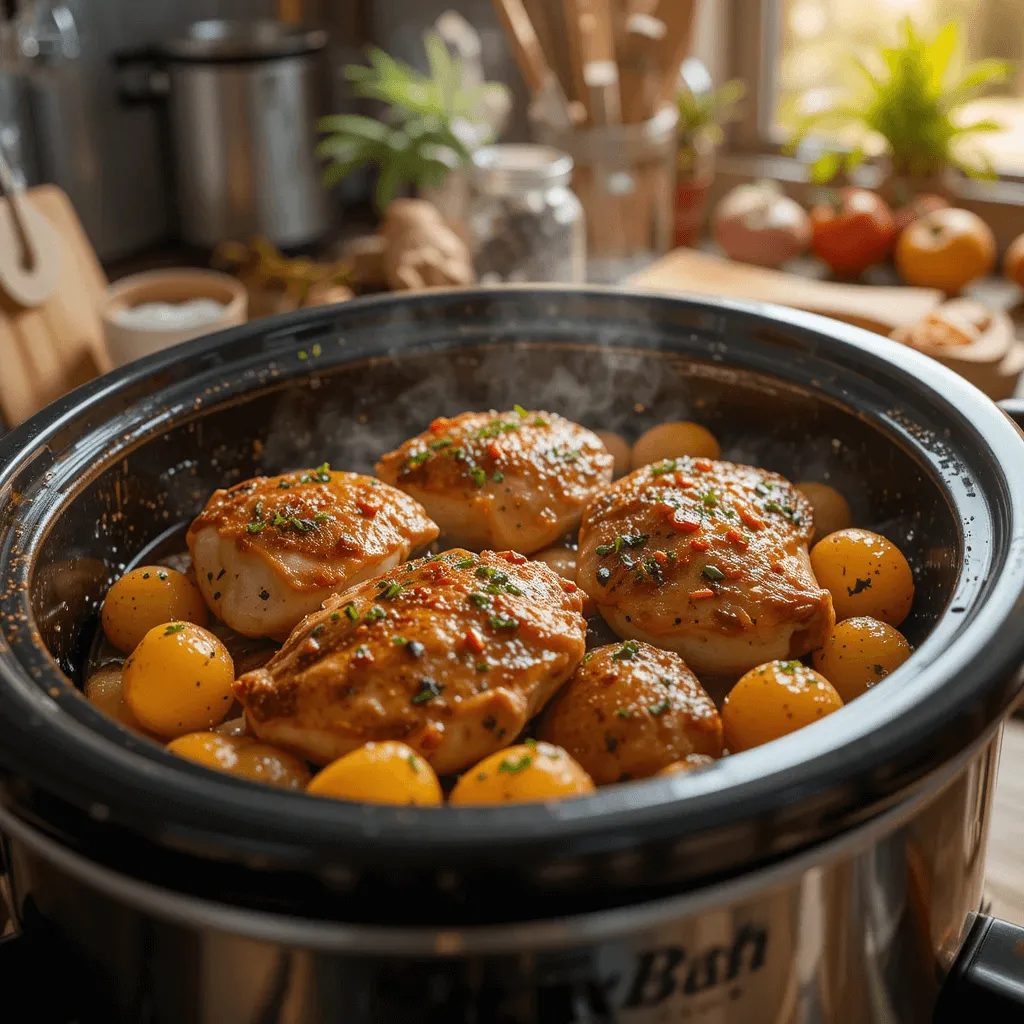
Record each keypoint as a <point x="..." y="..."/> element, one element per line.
<point x="422" y="250"/>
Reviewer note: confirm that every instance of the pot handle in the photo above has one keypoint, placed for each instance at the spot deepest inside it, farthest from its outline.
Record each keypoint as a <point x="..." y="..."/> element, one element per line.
<point x="141" y="77"/>
<point x="1014" y="408"/>
<point x="986" y="982"/>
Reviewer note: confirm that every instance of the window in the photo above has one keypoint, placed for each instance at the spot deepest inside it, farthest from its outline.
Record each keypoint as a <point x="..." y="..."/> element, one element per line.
<point x="807" y="49"/>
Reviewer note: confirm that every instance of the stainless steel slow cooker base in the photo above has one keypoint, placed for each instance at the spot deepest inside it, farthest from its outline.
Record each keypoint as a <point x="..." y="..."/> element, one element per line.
<point x="854" y="932"/>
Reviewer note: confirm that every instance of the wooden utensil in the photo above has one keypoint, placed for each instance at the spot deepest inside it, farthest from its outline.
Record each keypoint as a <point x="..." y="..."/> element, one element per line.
<point x="672" y="48"/>
<point x="600" y="71"/>
<point x="48" y="349"/>
<point x="638" y="79"/>
<point x="548" y="24"/>
<point x="550" y="102"/>
<point x="879" y="309"/>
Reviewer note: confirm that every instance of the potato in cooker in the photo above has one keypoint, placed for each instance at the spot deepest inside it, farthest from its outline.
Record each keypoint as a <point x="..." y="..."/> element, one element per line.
<point x="631" y="710"/>
<point x="243" y="757"/>
<point x="866" y="574"/>
<point x="773" y="700"/>
<point x="146" y="597"/>
<point x="831" y="509"/>
<point x="379" y="773"/>
<point x="525" y="773"/>
<point x="860" y="653"/>
<point x="673" y="440"/>
<point x="178" y="680"/>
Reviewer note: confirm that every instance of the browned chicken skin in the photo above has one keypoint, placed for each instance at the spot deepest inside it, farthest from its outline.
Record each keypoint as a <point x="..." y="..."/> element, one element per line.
<point x="270" y="550"/>
<point x="708" y="559"/>
<point x="451" y="654"/>
<point x="501" y="479"/>
<point x="631" y="710"/>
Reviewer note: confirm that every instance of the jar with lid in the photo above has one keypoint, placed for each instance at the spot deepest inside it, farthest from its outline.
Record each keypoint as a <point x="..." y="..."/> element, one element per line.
<point x="524" y="221"/>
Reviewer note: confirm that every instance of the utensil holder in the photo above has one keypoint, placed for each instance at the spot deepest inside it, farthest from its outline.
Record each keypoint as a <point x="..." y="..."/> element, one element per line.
<point x="625" y="178"/>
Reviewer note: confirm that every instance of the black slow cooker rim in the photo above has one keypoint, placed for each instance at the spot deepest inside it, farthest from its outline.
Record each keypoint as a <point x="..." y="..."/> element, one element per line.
<point x="145" y="789"/>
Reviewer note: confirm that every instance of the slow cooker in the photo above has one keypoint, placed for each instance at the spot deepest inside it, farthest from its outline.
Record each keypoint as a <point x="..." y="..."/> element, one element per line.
<point x="832" y="876"/>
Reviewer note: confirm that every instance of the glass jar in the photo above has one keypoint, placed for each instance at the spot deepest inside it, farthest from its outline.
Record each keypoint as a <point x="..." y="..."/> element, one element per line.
<point x="524" y="221"/>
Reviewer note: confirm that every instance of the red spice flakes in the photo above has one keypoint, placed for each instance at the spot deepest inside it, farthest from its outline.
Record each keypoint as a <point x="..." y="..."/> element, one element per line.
<point x="700" y="545"/>
<point x="733" y="573"/>
<point x="682" y="523"/>
<point x="660" y="557"/>
<point x="440" y="425"/>
<point x="494" y="451"/>
<point x="430" y="738"/>
<point x="474" y="641"/>
<point x="701" y="595"/>
<point x="776" y="567"/>
<point x="420" y="592"/>
<point x="738" y="539"/>
<point x="367" y="508"/>
<point x="514" y="557"/>
<point x="568" y="586"/>
<point x="680" y="480"/>
<point x="702" y="465"/>
<point x="750" y="520"/>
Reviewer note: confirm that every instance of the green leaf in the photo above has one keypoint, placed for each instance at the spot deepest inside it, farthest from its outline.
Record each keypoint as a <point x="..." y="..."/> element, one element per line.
<point x="940" y="52"/>
<point x="984" y="125"/>
<point x="355" y="125"/>
<point x="826" y="167"/>
<point x="982" y="73"/>
<point x="854" y="158"/>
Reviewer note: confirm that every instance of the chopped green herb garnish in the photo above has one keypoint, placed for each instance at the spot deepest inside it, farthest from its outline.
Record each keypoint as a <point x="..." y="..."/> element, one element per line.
<point x="335" y="616"/>
<point x="323" y="517"/>
<point x="772" y="506"/>
<point x="303" y="354"/>
<point x="283" y="485"/>
<point x="399" y="641"/>
<point x="668" y="466"/>
<point x="375" y="613"/>
<point x="418" y="459"/>
<point x="480" y="600"/>
<point x="443" y="442"/>
<point x="604" y="549"/>
<point x="478" y="476"/>
<point x="709" y="499"/>
<point x="427" y="692"/>
<point x="762" y="488"/>
<point x="622" y="713"/>
<point x="320" y="475"/>
<point x="790" y="667"/>
<point x="459" y="454"/>
<point x="391" y="590"/>
<point x="502" y="622"/>
<point x="351" y="612"/>
<point x="520" y="411"/>
<point x="255" y="527"/>
<point x="712" y="572"/>
<point x="414" y="763"/>
<point x="362" y="651"/>
<point x="174" y="627"/>
<point x="317" y="629"/>
<point x="496" y="429"/>
<point x="515" y="765"/>
<point x="482" y="666"/>
<point x="660" y="708"/>
<point x="465" y="563"/>
<point x="498" y="476"/>
<point x="629" y="650"/>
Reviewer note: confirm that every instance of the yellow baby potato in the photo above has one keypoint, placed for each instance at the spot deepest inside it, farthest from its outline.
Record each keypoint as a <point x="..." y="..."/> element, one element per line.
<point x="670" y="440"/>
<point x="178" y="680"/>
<point x="147" y="597"/>
<point x="831" y="509"/>
<point x="865" y="574"/>
<point x="380" y="773"/>
<point x="522" y="774"/>
<point x="242" y="757"/>
<point x="688" y="764"/>
<point x="619" y="448"/>
<point x="859" y="653"/>
<point x="105" y="689"/>
<point x="774" y="700"/>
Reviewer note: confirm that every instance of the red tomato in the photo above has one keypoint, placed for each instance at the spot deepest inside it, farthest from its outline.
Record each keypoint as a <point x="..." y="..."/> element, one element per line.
<point x="852" y="233"/>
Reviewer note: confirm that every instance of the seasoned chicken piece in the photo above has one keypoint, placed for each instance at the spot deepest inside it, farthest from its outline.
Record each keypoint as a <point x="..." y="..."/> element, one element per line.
<point x="270" y="550"/>
<point x="631" y="710"/>
<point x="502" y="479"/>
<point x="451" y="654"/>
<point x="708" y="559"/>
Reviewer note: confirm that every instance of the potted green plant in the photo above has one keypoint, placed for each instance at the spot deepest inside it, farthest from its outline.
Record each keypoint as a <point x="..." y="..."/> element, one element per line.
<point x="430" y="125"/>
<point x="701" y="119"/>
<point x="909" y="107"/>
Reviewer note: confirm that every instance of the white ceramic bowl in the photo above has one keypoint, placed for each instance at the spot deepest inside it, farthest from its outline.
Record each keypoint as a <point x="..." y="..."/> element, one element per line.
<point x="127" y="342"/>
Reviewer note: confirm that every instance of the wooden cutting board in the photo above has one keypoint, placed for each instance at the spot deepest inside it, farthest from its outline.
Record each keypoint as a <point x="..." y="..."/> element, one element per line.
<point x="877" y="308"/>
<point x="47" y="350"/>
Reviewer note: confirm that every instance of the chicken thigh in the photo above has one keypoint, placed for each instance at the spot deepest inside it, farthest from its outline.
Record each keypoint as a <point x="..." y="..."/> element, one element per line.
<point x="451" y="654"/>
<point x="511" y="479"/>
<point x="708" y="559"/>
<point x="270" y="550"/>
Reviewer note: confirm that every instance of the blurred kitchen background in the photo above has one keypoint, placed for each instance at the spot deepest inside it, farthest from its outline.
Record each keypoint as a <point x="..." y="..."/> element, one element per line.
<point x="312" y="150"/>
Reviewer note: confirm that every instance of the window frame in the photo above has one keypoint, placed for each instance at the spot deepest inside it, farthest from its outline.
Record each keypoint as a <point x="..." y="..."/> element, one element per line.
<point x="748" y="152"/>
